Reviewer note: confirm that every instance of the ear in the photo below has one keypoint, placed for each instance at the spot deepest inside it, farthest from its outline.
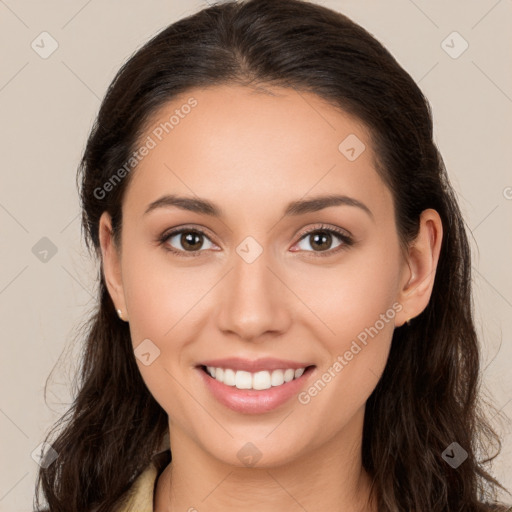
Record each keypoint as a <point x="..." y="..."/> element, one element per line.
<point x="111" y="259"/>
<point x="422" y="258"/>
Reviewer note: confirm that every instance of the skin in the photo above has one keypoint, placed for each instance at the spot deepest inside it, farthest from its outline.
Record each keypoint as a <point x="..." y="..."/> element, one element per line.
<point x="251" y="153"/>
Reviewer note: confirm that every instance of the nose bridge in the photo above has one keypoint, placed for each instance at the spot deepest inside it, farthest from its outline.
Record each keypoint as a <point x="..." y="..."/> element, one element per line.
<point x="253" y="299"/>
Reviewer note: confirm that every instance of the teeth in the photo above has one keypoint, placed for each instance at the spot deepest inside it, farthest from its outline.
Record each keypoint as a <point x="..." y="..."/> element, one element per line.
<point x="277" y="378"/>
<point x="258" y="380"/>
<point x="289" y="375"/>
<point x="229" y="377"/>
<point x="261" y="380"/>
<point x="243" y="380"/>
<point x="299" y="372"/>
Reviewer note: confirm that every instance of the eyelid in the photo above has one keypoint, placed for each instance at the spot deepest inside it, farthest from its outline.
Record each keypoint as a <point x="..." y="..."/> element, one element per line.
<point x="162" y="239"/>
<point x="346" y="238"/>
<point x="342" y="234"/>
<point x="325" y="227"/>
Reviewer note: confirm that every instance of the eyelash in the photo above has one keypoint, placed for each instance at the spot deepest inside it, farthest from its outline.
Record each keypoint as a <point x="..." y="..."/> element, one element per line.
<point x="347" y="240"/>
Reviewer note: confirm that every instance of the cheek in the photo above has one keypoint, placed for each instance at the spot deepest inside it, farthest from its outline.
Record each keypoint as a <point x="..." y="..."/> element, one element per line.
<point x="159" y="293"/>
<point x="162" y="300"/>
<point x="357" y="304"/>
<point x="355" y="295"/>
<point x="356" y="355"/>
<point x="163" y="384"/>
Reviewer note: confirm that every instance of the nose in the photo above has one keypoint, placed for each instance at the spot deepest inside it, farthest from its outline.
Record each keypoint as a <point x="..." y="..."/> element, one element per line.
<point x="254" y="301"/>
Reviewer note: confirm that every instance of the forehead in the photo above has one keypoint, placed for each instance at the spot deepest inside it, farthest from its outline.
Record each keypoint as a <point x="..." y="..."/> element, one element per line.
<point x="231" y="142"/>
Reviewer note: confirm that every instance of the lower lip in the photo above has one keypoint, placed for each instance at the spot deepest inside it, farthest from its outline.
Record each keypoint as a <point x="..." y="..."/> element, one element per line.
<point x="252" y="401"/>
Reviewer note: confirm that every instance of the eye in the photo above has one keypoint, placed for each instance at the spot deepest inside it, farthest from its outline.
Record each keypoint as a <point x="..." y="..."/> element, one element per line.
<point x="322" y="237"/>
<point x="190" y="240"/>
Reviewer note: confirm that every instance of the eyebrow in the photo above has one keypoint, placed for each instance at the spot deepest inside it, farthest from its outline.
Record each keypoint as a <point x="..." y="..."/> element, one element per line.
<point x="294" y="208"/>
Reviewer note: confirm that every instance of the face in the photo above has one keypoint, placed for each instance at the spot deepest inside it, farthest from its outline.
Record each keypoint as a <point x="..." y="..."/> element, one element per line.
<point x="321" y="287"/>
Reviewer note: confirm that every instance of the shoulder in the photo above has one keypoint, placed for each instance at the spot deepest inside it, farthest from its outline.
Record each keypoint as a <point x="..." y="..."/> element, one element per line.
<point x="496" y="507"/>
<point x="140" y="497"/>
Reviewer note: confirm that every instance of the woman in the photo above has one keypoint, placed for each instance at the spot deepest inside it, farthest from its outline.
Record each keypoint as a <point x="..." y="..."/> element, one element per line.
<point x="284" y="319"/>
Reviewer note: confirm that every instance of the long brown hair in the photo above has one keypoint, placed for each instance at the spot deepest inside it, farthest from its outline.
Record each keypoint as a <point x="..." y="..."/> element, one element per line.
<point x="427" y="397"/>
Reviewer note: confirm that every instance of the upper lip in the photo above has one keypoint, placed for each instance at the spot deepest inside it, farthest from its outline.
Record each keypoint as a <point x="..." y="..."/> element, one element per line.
<point x="256" y="365"/>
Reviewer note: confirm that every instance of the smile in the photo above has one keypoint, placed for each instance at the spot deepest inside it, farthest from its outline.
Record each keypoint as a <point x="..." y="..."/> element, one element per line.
<point x="257" y="380"/>
<point x="254" y="392"/>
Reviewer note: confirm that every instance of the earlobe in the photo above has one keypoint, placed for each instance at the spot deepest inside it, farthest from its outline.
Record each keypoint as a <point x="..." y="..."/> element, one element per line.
<point x="422" y="260"/>
<point x="111" y="264"/>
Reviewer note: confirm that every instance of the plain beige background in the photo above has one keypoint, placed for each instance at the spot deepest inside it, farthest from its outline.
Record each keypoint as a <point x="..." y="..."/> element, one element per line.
<point x="47" y="108"/>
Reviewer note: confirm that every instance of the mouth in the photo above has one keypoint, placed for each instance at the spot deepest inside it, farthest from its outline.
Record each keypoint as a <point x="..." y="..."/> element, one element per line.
<point x="260" y="380"/>
<point x="254" y="392"/>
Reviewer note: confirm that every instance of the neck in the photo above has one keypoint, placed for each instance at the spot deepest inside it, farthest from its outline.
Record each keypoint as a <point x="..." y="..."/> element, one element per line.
<point x="328" y="477"/>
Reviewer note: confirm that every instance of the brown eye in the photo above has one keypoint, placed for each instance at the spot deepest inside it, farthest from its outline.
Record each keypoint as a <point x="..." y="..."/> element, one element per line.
<point x="321" y="240"/>
<point x="190" y="240"/>
<point x="184" y="240"/>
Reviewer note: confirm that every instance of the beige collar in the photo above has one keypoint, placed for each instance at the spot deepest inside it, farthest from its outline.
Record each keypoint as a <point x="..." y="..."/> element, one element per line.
<point x="141" y="495"/>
